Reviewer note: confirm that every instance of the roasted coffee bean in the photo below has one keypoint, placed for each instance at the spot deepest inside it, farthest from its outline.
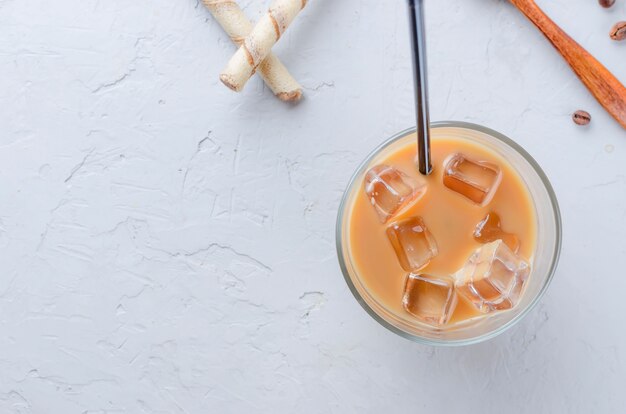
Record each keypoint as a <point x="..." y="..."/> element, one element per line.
<point x="618" y="32"/>
<point x="606" y="3"/>
<point x="581" y="117"/>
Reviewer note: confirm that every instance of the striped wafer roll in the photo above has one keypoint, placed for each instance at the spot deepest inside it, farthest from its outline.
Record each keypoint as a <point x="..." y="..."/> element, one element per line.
<point x="259" y="42"/>
<point x="234" y="22"/>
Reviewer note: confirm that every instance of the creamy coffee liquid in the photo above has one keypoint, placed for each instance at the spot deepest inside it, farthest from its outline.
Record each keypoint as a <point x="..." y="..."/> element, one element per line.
<point x="451" y="219"/>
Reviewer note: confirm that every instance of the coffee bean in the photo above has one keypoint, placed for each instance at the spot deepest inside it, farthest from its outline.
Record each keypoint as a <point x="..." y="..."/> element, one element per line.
<point x="581" y="117"/>
<point x="618" y="32"/>
<point x="607" y="3"/>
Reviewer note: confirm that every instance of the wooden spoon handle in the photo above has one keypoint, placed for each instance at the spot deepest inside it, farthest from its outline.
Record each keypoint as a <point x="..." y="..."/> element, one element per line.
<point x="603" y="85"/>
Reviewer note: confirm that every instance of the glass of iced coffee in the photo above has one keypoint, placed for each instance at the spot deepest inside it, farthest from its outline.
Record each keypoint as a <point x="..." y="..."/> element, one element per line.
<point x="458" y="256"/>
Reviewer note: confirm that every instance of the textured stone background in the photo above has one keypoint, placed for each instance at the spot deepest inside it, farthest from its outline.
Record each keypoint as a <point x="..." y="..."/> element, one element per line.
<point x="167" y="246"/>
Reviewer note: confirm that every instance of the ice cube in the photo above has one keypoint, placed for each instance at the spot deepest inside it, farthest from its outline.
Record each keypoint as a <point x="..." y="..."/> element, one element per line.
<point x="493" y="277"/>
<point x="430" y="299"/>
<point x="476" y="180"/>
<point x="390" y="190"/>
<point x="415" y="246"/>
<point x="490" y="229"/>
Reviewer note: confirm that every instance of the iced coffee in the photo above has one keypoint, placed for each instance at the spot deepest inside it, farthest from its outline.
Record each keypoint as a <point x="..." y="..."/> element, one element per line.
<point x="452" y="246"/>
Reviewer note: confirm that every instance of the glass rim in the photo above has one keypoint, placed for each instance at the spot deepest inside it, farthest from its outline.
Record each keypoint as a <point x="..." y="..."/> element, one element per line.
<point x="555" y="254"/>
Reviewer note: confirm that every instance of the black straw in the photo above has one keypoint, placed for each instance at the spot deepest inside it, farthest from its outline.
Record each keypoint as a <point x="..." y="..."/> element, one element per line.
<point x="418" y="42"/>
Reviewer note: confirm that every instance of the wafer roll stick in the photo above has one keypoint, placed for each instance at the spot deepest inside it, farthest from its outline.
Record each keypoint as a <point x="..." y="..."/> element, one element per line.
<point x="259" y="42"/>
<point x="234" y="22"/>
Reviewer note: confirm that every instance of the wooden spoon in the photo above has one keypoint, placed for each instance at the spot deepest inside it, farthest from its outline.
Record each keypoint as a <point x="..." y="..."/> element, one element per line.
<point x="603" y="85"/>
